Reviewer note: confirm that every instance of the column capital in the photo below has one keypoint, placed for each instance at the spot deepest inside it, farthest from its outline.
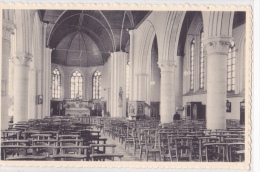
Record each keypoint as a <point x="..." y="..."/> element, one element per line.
<point x="8" y="29"/>
<point x="167" y="66"/>
<point x="22" y="59"/>
<point x="217" y="45"/>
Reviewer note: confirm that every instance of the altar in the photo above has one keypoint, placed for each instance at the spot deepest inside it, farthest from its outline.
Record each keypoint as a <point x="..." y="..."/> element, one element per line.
<point x="77" y="108"/>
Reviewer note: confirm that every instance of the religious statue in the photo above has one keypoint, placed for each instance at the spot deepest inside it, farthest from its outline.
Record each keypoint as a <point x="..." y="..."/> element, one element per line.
<point x="120" y="101"/>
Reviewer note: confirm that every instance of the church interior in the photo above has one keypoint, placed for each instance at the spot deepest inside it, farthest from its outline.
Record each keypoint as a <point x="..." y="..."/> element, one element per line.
<point x="93" y="85"/>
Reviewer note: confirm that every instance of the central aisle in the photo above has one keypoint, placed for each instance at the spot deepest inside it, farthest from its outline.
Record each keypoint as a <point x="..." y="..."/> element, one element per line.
<point x="120" y="149"/>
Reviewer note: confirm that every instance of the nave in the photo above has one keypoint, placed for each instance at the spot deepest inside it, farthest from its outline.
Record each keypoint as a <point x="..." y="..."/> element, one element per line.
<point x="125" y="85"/>
<point x="64" y="138"/>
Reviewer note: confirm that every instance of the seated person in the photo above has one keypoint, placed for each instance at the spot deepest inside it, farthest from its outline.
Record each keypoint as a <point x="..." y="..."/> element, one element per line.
<point x="176" y="116"/>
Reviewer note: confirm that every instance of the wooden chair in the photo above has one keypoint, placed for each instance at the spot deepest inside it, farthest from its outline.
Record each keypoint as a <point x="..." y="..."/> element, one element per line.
<point x="163" y="142"/>
<point x="16" y="142"/>
<point x="102" y="156"/>
<point x="28" y="133"/>
<point x="106" y="127"/>
<point x="151" y="144"/>
<point x="13" y="150"/>
<point x="71" y="142"/>
<point x="137" y="142"/>
<point x="216" y="151"/>
<point x="91" y="137"/>
<point x="72" y="153"/>
<point x="54" y="134"/>
<point x="202" y="148"/>
<point x="11" y="134"/>
<point x="123" y="133"/>
<point x="183" y="147"/>
<point x="241" y="154"/>
<point x="141" y="143"/>
<point x="41" y="136"/>
<point x="233" y="151"/>
<point x="44" y="150"/>
<point x="128" y="137"/>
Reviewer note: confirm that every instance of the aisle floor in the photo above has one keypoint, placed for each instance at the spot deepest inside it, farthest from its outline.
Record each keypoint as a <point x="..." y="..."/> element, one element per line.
<point x="120" y="149"/>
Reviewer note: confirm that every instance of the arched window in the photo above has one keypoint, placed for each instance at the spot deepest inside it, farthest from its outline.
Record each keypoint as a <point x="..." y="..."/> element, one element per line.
<point x="201" y="79"/>
<point x="97" y="85"/>
<point x="76" y="85"/>
<point x="127" y="79"/>
<point x="192" y="64"/>
<point x="231" y="67"/>
<point x="56" y="84"/>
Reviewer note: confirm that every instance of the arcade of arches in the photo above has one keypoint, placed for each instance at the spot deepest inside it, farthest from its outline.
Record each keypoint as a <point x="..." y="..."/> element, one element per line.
<point x="123" y="64"/>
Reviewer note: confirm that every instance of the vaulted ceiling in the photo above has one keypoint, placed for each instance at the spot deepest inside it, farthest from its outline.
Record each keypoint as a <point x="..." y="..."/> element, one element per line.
<point x="85" y="38"/>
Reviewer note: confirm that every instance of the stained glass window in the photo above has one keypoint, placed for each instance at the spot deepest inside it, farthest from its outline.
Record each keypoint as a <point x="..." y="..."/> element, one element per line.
<point x="56" y="84"/>
<point x="97" y="85"/>
<point x="201" y="73"/>
<point x="192" y="64"/>
<point x="127" y="79"/>
<point x="231" y="67"/>
<point x="76" y="85"/>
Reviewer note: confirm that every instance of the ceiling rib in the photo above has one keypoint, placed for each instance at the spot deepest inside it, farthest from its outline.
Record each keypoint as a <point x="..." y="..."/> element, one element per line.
<point x="69" y="46"/>
<point x="114" y="41"/>
<point x="84" y="46"/>
<point x="102" y="32"/>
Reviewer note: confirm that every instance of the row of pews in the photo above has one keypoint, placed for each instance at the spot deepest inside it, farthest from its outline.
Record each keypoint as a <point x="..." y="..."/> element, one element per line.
<point x="56" y="138"/>
<point x="183" y="140"/>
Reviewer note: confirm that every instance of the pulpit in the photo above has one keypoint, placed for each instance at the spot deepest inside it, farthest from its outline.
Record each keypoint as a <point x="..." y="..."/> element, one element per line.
<point x="136" y="109"/>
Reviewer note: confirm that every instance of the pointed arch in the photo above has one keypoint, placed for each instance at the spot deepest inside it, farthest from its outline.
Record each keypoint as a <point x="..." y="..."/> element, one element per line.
<point x="146" y="45"/>
<point x="36" y="44"/>
<point x="24" y="32"/>
<point x="218" y="23"/>
<point x="172" y="34"/>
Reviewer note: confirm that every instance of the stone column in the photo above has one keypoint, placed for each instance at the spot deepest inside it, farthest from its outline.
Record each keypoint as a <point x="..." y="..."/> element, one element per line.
<point x="142" y="87"/>
<point x="46" y="76"/>
<point x="7" y="30"/>
<point x="167" y="106"/>
<point x="48" y="86"/>
<point x="217" y="54"/>
<point x="32" y="94"/>
<point x="21" y="77"/>
<point x="179" y="82"/>
<point x="39" y="92"/>
<point x="117" y="97"/>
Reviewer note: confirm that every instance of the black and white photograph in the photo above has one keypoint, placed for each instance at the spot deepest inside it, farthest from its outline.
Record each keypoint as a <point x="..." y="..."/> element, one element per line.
<point x="139" y="85"/>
